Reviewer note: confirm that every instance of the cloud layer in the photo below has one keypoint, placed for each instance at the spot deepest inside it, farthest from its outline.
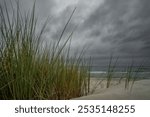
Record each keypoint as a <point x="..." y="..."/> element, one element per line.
<point x="120" y="27"/>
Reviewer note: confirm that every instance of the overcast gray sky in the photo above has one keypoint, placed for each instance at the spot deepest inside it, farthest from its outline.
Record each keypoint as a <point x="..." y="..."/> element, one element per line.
<point x="118" y="27"/>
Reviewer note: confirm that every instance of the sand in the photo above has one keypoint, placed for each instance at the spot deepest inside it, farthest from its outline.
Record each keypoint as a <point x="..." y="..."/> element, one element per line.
<point x="117" y="91"/>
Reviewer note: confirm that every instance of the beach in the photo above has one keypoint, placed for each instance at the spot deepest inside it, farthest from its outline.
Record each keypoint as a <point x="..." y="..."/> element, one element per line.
<point x="117" y="91"/>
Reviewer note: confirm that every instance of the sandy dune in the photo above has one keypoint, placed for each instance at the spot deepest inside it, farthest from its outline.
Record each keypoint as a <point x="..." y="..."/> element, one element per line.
<point x="140" y="91"/>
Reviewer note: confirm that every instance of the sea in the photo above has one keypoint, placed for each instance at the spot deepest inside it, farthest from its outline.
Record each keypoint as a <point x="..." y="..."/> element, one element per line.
<point x="120" y="72"/>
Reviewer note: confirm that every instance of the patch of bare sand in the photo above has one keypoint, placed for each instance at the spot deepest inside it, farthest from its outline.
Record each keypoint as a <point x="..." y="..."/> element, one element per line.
<point x="117" y="91"/>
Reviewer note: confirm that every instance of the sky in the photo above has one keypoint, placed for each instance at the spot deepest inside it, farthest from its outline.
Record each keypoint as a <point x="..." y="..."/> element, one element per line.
<point x="104" y="27"/>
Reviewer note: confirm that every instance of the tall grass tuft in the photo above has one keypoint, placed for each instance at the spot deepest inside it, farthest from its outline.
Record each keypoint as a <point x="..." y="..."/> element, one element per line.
<point x="111" y="71"/>
<point x="29" y="70"/>
<point x="132" y="74"/>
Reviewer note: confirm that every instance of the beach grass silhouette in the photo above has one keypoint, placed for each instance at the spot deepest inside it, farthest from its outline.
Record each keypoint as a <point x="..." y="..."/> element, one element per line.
<point x="29" y="70"/>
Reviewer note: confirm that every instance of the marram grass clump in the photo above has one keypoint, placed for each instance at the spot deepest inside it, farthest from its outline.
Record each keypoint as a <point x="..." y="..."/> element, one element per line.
<point x="29" y="70"/>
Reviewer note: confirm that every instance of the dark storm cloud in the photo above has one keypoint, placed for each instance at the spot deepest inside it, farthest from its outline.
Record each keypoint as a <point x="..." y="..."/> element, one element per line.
<point x="57" y="14"/>
<point x="121" y="27"/>
<point x="124" y="25"/>
<point x="58" y="23"/>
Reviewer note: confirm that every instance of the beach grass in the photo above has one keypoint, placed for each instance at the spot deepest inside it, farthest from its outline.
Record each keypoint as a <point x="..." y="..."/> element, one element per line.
<point x="130" y="74"/>
<point x="29" y="70"/>
<point x="110" y="71"/>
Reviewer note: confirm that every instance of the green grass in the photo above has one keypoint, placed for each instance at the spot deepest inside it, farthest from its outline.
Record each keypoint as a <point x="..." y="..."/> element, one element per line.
<point x="29" y="70"/>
